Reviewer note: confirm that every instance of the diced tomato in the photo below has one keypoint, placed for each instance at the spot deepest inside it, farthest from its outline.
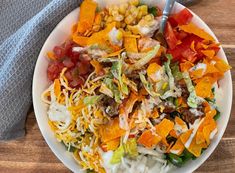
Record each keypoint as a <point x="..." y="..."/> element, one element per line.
<point x="68" y="75"/>
<point x="172" y="21"/>
<point x="186" y="42"/>
<point x="180" y="35"/>
<point x="82" y="68"/>
<point x="170" y="36"/>
<point x="190" y="55"/>
<point x="84" y="57"/>
<point x="67" y="46"/>
<point x="77" y="82"/>
<point x="181" y="18"/>
<point x="54" y="70"/>
<point x="59" y="52"/>
<point x="68" y="63"/>
<point x="77" y="64"/>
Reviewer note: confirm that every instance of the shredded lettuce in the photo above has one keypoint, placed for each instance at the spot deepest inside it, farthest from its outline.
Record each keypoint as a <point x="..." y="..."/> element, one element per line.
<point x="116" y="70"/>
<point x="148" y="86"/>
<point x="117" y="155"/>
<point x="140" y="63"/>
<point x="128" y="149"/>
<point x="176" y="72"/>
<point x="116" y="93"/>
<point x="173" y="90"/>
<point x="105" y="90"/>
<point x="193" y="100"/>
<point x="90" y="100"/>
<point x="129" y="82"/>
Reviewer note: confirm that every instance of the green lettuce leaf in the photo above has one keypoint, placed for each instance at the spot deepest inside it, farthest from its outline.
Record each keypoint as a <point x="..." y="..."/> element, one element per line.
<point x="90" y="100"/>
<point x="140" y="63"/>
<point x="148" y="86"/>
<point x="193" y="100"/>
<point x="173" y="91"/>
<point x="116" y="70"/>
<point x="129" y="149"/>
<point x="116" y="93"/>
<point x="176" y="72"/>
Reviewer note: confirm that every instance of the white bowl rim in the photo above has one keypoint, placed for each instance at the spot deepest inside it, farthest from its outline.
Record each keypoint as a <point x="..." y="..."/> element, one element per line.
<point x="203" y="157"/>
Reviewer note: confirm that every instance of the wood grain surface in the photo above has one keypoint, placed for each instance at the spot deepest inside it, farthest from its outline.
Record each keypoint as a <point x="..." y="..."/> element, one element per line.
<point x="31" y="154"/>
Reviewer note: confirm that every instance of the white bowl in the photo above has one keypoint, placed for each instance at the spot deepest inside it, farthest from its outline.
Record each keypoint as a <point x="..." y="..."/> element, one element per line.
<point x="40" y="83"/>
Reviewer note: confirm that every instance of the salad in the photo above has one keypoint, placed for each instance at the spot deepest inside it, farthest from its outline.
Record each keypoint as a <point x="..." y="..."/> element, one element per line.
<point x="122" y="102"/>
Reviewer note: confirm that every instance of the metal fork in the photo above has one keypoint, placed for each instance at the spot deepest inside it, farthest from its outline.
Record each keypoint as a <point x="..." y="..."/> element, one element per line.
<point x="166" y="12"/>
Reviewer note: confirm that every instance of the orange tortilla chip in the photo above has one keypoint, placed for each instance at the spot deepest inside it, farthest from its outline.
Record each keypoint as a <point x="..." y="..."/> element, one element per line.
<point x="186" y="66"/>
<point x="113" y="144"/>
<point x="208" y="129"/>
<point x="221" y="65"/>
<point x="111" y="131"/>
<point x="211" y="113"/>
<point x="179" y="121"/>
<point x="208" y="53"/>
<point x="130" y="44"/>
<point x="148" y="139"/>
<point x="203" y="88"/>
<point x="164" y="127"/>
<point x="185" y="136"/>
<point x="80" y="40"/>
<point x="195" y="148"/>
<point x="193" y="29"/>
<point x="199" y="137"/>
<point x="173" y="133"/>
<point x="152" y="71"/>
<point x="86" y="16"/>
<point x="196" y="74"/>
<point x="178" y="147"/>
<point x="211" y="69"/>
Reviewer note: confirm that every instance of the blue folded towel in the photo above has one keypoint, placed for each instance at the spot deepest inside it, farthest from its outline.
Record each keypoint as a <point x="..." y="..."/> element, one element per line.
<point x="24" y="27"/>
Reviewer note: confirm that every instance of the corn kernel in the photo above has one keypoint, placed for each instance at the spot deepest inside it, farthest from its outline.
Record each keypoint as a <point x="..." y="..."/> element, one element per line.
<point x="123" y="8"/>
<point x="129" y="19"/>
<point x="135" y="13"/>
<point x="143" y="9"/>
<point x="149" y="17"/>
<point x="119" y="34"/>
<point x="118" y="17"/>
<point x="109" y="19"/>
<point x="164" y="86"/>
<point x="114" y="13"/>
<point x="112" y="8"/>
<point x="132" y="8"/>
<point x="139" y="16"/>
<point x="133" y="29"/>
<point x="134" y="2"/>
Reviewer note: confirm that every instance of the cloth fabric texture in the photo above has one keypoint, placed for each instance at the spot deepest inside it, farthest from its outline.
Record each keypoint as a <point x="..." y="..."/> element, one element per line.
<point x="24" y="27"/>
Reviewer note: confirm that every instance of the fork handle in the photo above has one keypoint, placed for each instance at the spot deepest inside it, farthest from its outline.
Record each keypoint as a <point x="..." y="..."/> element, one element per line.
<point x="166" y="12"/>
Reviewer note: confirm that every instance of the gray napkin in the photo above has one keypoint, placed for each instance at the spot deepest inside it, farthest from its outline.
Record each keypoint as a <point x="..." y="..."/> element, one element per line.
<point x="24" y="27"/>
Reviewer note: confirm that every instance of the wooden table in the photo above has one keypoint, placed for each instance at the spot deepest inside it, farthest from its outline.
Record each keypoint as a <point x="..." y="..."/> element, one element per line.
<point x="32" y="155"/>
